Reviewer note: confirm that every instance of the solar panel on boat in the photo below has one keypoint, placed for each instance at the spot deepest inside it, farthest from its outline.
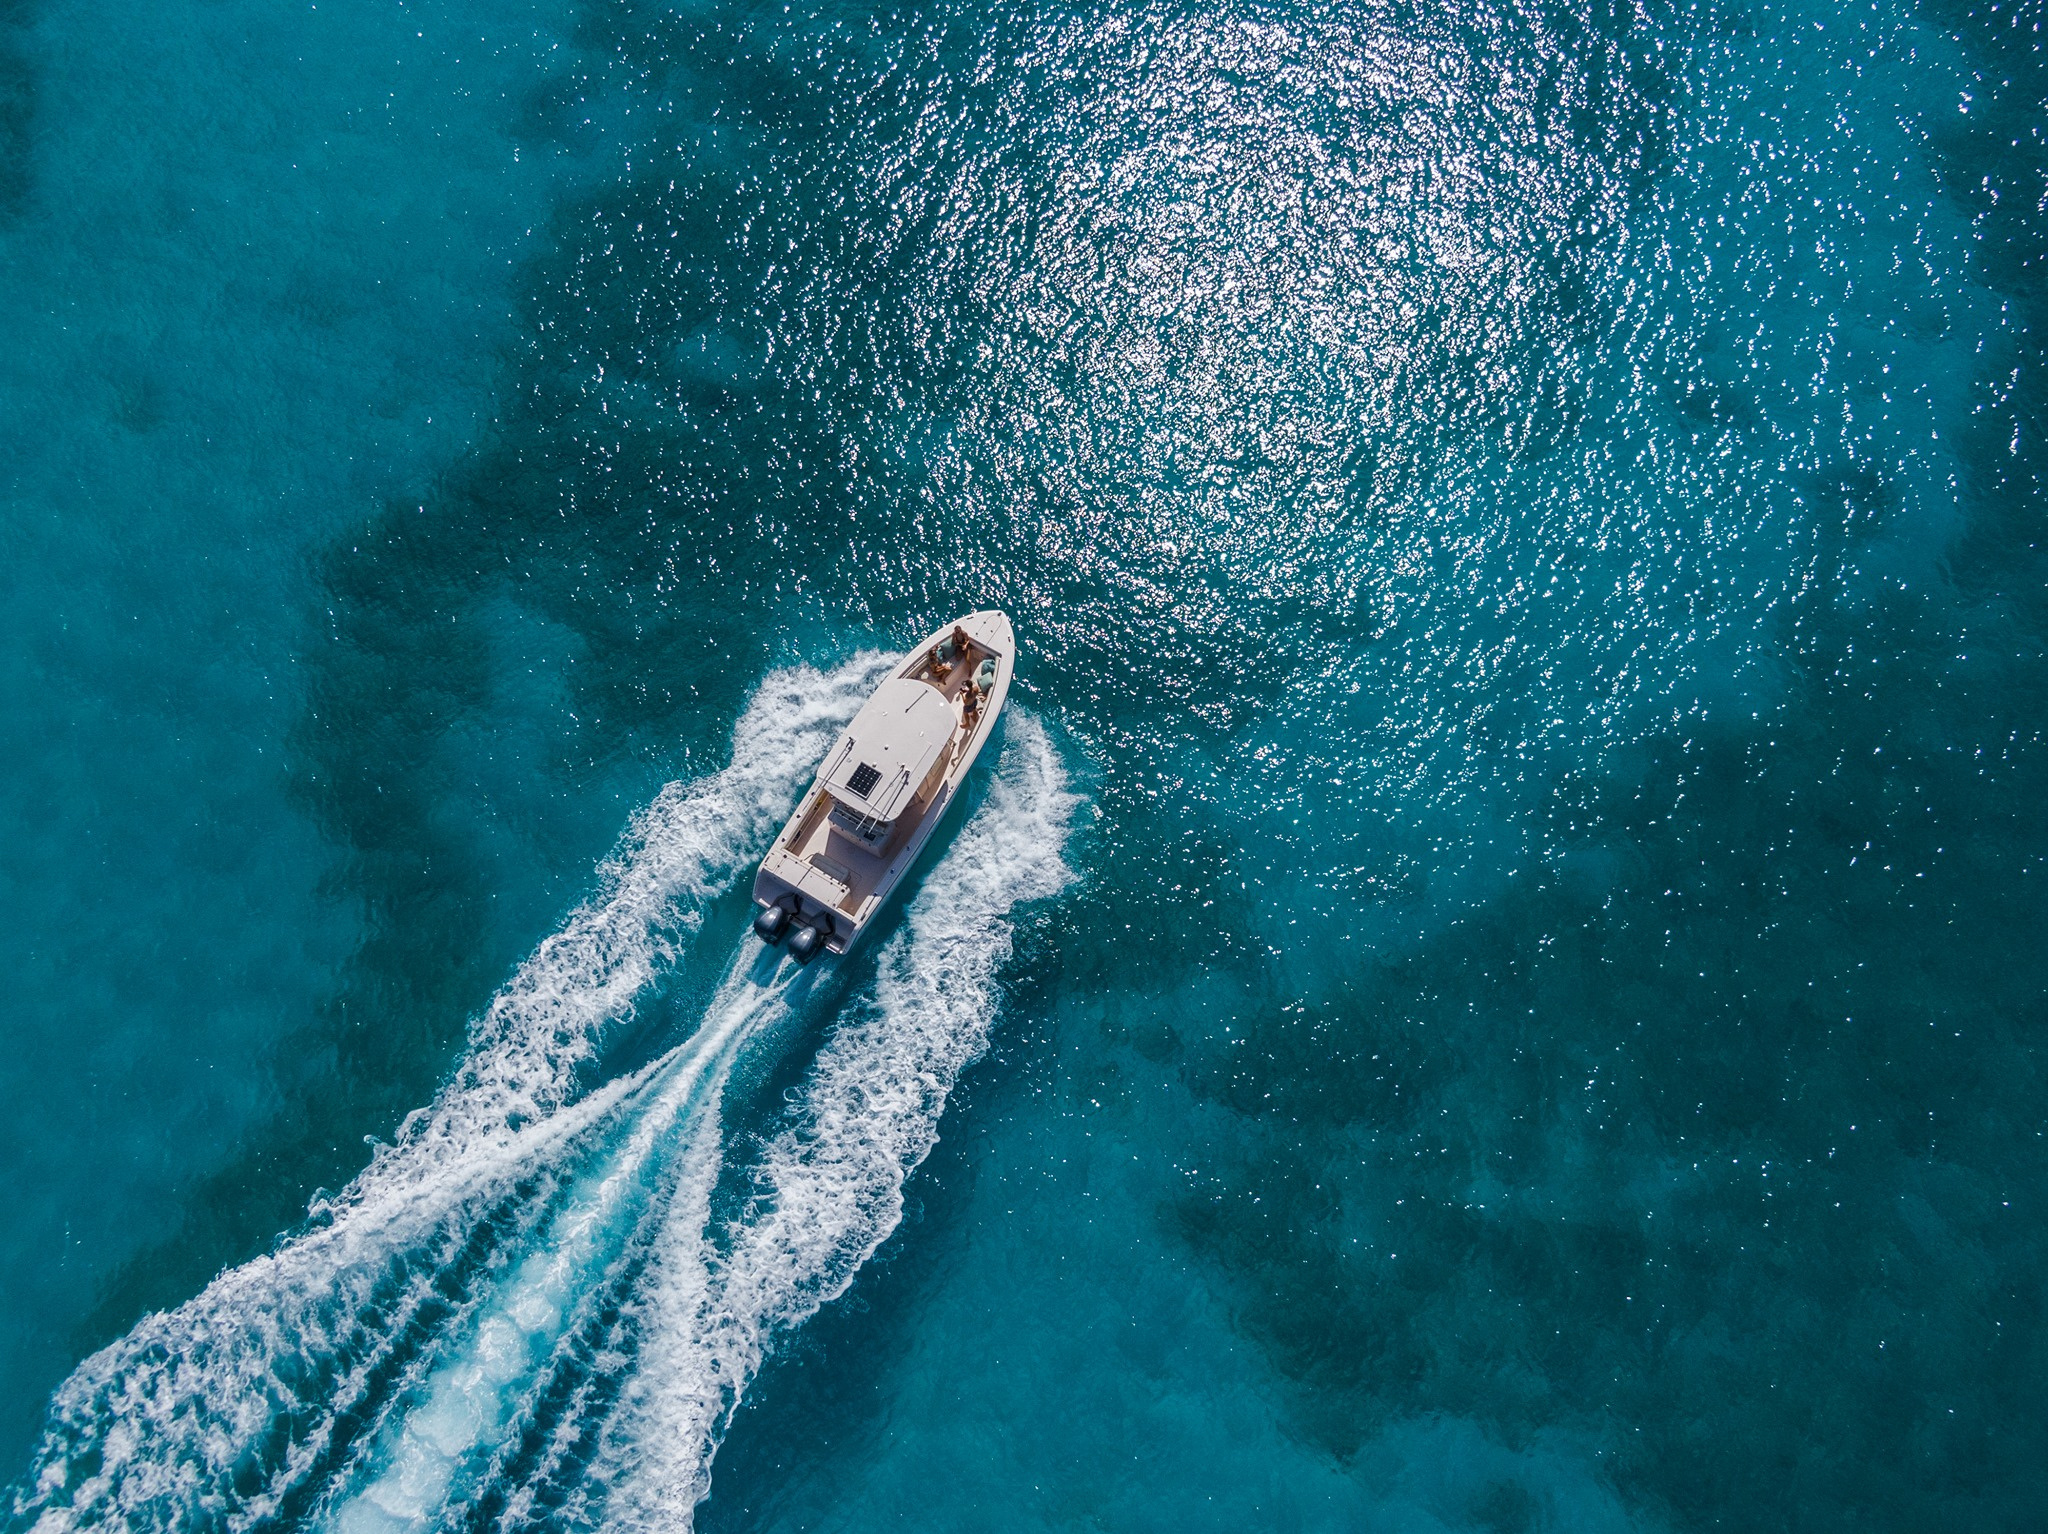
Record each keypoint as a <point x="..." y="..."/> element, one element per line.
<point x="864" y="778"/>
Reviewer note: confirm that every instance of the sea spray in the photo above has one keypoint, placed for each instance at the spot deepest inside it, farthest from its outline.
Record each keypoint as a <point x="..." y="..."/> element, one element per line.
<point x="214" y="1412"/>
<point x="829" y="1185"/>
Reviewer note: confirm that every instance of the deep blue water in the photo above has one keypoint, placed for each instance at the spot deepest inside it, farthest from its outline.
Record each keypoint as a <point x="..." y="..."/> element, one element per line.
<point x="1493" y="982"/>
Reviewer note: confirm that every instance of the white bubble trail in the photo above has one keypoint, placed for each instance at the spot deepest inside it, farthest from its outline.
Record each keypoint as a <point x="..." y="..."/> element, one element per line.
<point x="829" y="1187"/>
<point x="663" y="1167"/>
<point x="213" y="1413"/>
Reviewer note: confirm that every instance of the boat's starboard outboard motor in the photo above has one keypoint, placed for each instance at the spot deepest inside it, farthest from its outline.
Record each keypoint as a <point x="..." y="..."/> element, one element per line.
<point x="771" y="925"/>
<point x="806" y="943"/>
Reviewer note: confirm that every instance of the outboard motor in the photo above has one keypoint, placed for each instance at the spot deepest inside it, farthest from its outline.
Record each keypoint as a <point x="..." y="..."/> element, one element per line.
<point x="772" y="924"/>
<point x="806" y="943"/>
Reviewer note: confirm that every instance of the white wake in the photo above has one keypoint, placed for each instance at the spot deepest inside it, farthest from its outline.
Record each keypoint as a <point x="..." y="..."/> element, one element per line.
<point x="212" y="1413"/>
<point x="519" y="1312"/>
<point x="491" y="1384"/>
<point x="829" y="1188"/>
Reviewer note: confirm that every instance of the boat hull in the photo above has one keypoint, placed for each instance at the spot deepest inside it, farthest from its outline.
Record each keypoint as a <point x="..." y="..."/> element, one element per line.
<point x="832" y="871"/>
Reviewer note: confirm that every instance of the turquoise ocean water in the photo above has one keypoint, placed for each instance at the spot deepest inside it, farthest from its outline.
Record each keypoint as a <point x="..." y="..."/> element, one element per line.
<point x="1491" y="982"/>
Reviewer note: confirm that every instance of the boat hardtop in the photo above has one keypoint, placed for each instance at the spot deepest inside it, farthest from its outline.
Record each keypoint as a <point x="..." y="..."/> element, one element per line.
<point x="883" y="788"/>
<point x="898" y="737"/>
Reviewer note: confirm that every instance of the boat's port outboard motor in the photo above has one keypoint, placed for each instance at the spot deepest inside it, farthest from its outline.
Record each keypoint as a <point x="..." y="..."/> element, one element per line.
<point x="806" y="943"/>
<point x="772" y="924"/>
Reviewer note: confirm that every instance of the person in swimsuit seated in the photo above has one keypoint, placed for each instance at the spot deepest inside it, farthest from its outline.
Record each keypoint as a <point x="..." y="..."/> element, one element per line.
<point x="947" y="652"/>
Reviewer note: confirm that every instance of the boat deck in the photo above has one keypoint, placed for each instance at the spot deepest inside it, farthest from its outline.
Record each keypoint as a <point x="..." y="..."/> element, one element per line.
<point x="833" y="869"/>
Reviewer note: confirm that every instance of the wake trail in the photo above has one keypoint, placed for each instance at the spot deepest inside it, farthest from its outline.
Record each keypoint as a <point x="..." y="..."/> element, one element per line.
<point x="221" y="1411"/>
<point x="494" y="1386"/>
<point x="829" y="1185"/>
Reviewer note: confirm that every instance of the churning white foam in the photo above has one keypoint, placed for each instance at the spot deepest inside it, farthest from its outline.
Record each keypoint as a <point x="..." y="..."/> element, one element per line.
<point x="212" y="1412"/>
<point x="829" y="1186"/>
<point x="662" y="1168"/>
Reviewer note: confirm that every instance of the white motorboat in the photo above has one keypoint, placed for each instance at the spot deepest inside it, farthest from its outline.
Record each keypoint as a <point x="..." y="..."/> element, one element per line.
<point x="883" y="788"/>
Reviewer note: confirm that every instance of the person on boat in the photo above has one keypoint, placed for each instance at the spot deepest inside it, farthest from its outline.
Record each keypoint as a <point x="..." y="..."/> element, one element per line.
<point x="947" y="652"/>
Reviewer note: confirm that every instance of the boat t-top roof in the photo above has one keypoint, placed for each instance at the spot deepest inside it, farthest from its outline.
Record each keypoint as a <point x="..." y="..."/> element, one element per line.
<point x="890" y="748"/>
